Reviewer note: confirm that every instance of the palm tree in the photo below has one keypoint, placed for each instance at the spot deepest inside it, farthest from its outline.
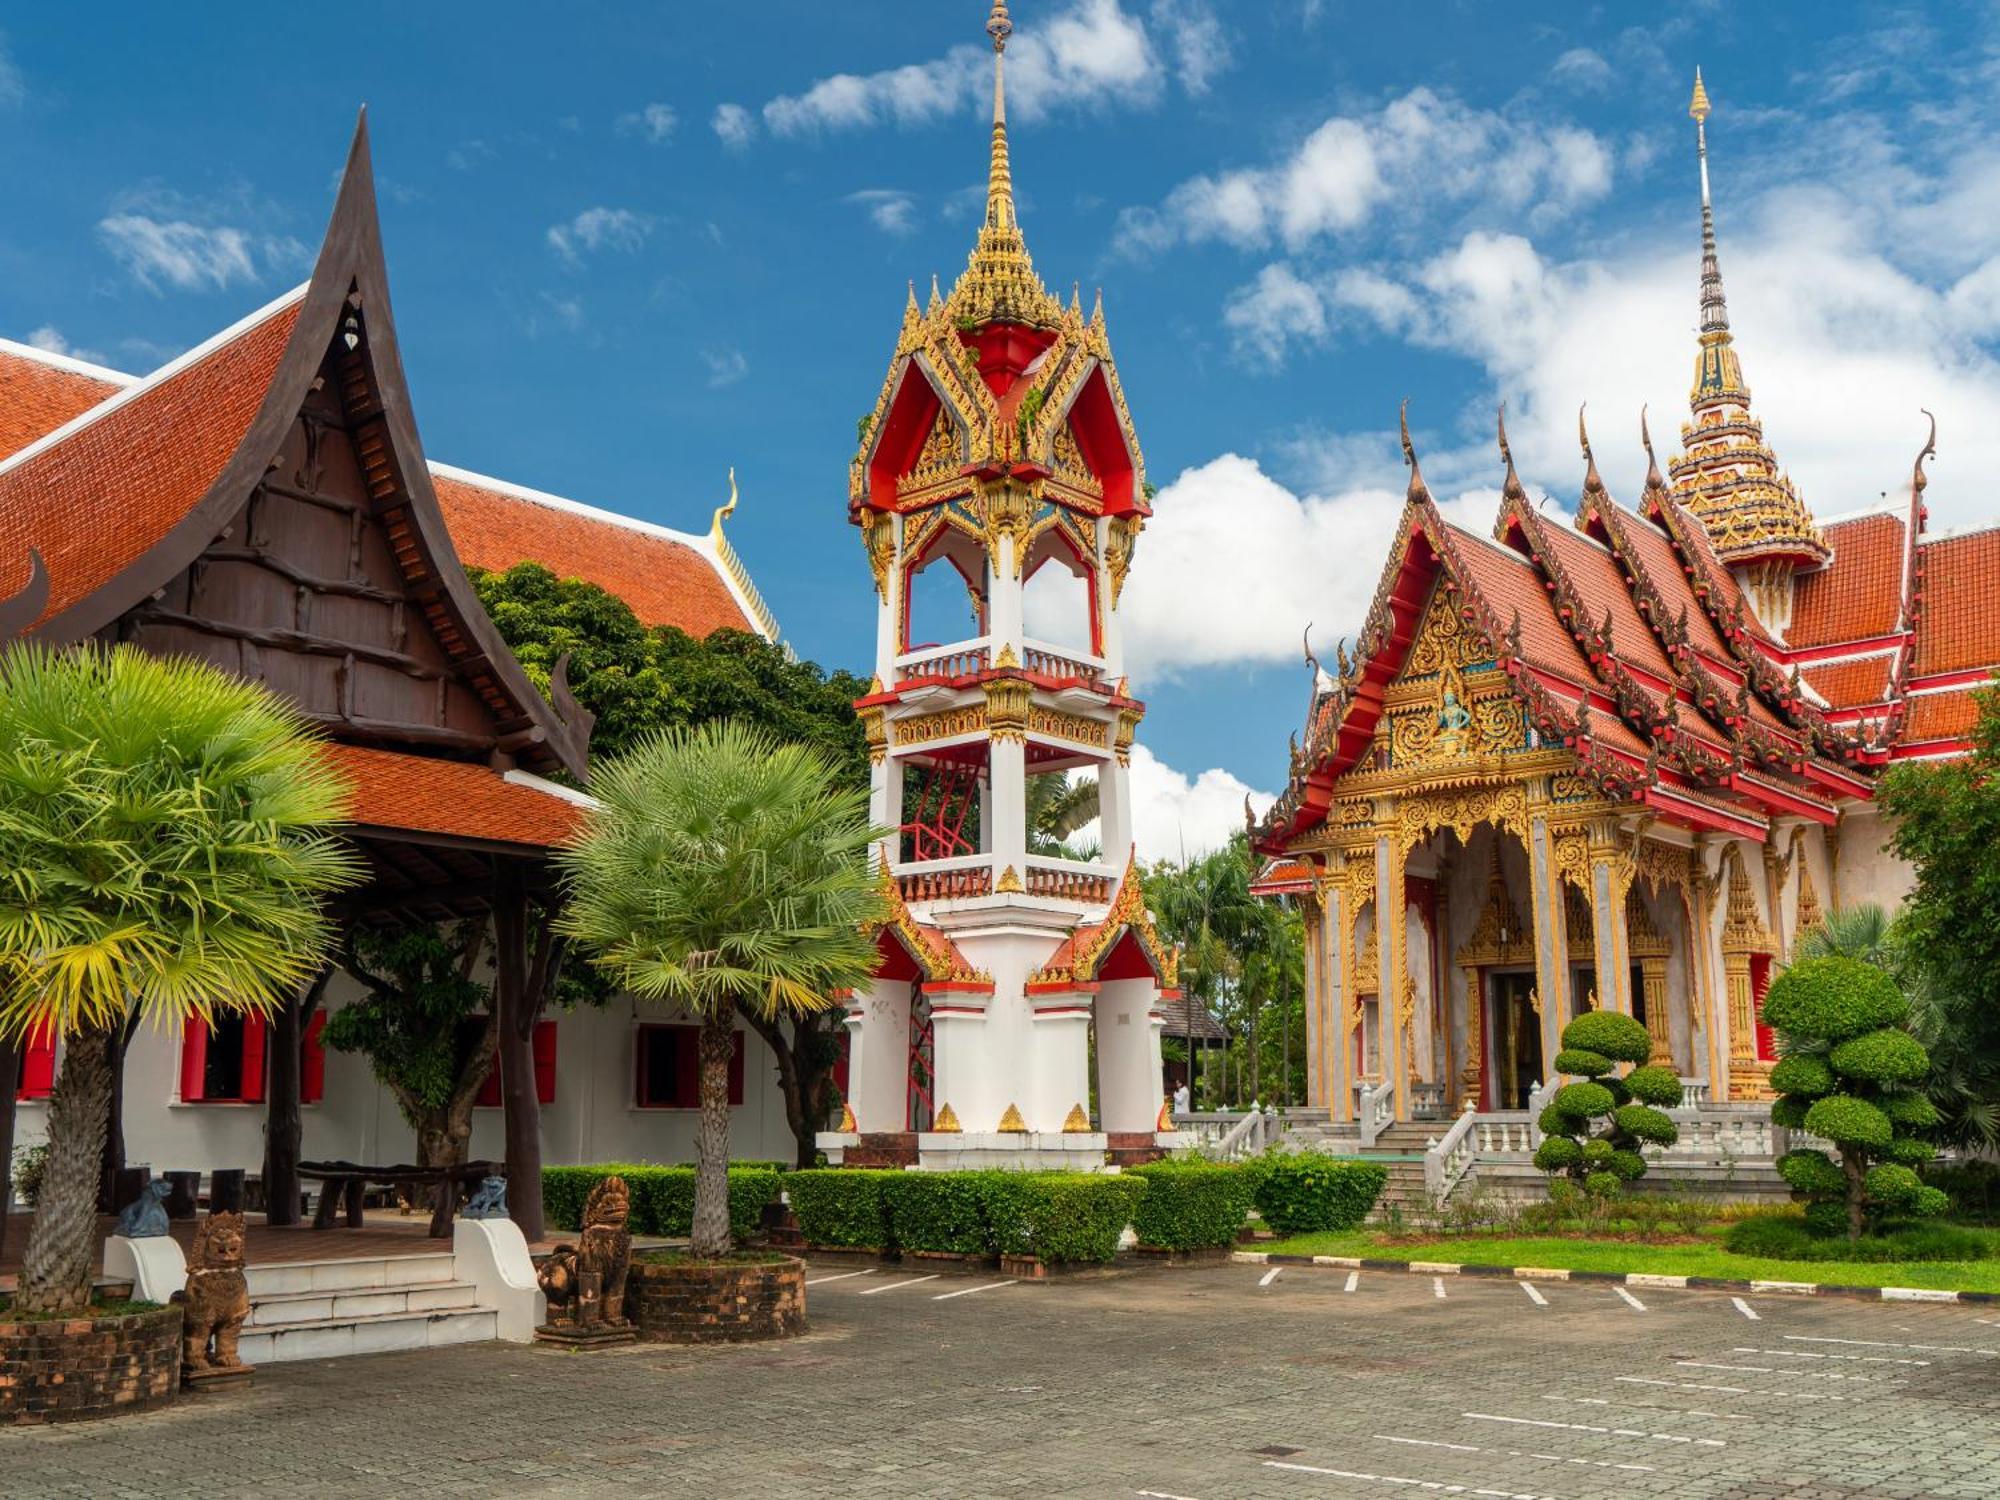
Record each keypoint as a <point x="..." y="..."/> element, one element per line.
<point x="1205" y="907"/>
<point x="1859" y="932"/>
<point x="164" y="852"/>
<point x="724" y="871"/>
<point x="1057" y="808"/>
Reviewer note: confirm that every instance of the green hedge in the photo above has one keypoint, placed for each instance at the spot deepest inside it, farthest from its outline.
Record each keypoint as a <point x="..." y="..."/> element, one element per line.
<point x="1191" y="1205"/>
<point x="662" y="1197"/>
<point x="1059" y="1216"/>
<point x="1790" y="1237"/>
<point x="843" y="1207"/>
<point x="1304" y="1192"/>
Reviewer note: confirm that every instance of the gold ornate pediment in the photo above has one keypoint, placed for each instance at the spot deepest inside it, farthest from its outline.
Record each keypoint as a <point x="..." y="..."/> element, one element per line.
<point x="1451" y="702"/>
<point x="1499" y="937"/>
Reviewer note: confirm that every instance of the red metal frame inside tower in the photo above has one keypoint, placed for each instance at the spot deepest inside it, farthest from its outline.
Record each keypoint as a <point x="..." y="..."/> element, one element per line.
<point x="947" y="799"/>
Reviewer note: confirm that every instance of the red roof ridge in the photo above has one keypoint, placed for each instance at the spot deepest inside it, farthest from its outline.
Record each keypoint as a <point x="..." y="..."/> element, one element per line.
<point x="513" y="491"/>
<point x="1880" y="510"/>
<point x="68" y="363"/>
<point x="132" y="392"/>
<point x="1957" y="533"/>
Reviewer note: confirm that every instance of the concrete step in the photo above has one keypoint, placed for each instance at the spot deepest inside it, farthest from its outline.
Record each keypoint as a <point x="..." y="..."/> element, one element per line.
<point x="366" y="1273"/>
<point x="375" y="1333"/>
<point x="279" y="1309"/>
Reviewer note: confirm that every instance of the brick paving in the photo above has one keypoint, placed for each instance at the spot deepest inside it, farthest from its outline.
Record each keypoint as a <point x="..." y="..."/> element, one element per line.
<point x="1185" y="1384"/>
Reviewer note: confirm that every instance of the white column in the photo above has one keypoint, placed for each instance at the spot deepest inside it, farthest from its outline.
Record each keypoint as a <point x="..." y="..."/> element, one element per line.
<point x="1129" y="1086"/>
<point x="1114" y="809"/>
<point x="878" y="1056"/>
<point x="1003" y="597"/>
<point x="1007" y="827"/>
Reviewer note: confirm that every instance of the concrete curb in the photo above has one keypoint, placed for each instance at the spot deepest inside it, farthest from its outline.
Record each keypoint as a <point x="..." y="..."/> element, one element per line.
<point x="1620" y="1278"/>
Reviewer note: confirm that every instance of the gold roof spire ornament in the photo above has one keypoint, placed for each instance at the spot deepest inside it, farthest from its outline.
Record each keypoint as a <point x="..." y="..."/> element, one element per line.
<point x="724" y="511"/>
<point x="1726" y="476"/>
<point x="1418" y="489"/>
<point x="1510" y="488"/>
<point x="999" y="284"/>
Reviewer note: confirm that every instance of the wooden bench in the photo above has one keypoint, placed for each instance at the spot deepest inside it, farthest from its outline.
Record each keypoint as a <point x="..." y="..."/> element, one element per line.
<point x="346" y="1180"/>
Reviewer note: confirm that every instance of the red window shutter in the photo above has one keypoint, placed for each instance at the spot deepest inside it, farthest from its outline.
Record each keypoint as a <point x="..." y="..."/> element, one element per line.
<point x="312" y="1061"/>
<point x="736" y="1071"/>
<point x="489" y="1091"/>
<point x="1760" y="981"/>
<point x="840" y="1062"/>
<point x="253" y="1059"/>
<point x="38" y="1064"/>
<point x="640" y="1047"/>
<point x="194" y="1058"/>
<point x="545" y="1061"/>
<point x="687" y="1067"/>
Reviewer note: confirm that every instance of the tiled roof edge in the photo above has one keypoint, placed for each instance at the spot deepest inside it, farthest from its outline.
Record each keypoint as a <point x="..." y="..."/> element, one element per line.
<point x="67" y="362"/>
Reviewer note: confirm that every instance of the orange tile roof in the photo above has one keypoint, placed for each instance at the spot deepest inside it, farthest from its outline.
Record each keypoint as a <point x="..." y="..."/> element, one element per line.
<point x="103" y="496"/>
<point x="1958" y="623"/>
<point x="37" y="396"/>
<point x="1601" y="587"/>
<point x="1851" y="684"/>
<point x="1654" y="555"/>
<point x="1940" y="716"/>
<point x="1858" y="595"/>
<point x="422" y="794"/>
<point x="666" y="582"/>
<point x="1507" y="581"/>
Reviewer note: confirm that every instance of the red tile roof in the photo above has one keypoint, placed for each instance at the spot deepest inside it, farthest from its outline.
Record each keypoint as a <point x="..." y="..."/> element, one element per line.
<point x="1508" y="582"/>
<point x="165" y="439"/>
<point x="1958" y="623"/>
<point x="38" y="395"/>
<point x="1602" y="588"/>
<point x="1852" y="684"/>
<point x="666" y="581"/>
<point x="421" y="794"/>
<point x="1940" y="716"/>
<point x="1857" y="595"/>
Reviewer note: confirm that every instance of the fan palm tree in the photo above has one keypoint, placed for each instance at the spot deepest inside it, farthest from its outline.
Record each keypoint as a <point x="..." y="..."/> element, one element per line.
<point x="724" y="871"/>
<point x="164" y="852"/>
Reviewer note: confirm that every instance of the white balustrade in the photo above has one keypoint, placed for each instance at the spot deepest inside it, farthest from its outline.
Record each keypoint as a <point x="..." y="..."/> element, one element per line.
<point x="1447" y="1161"/>
<point x="1378" y="1110"/>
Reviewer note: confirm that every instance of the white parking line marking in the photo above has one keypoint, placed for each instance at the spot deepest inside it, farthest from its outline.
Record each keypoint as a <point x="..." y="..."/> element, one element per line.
<point x="844" y="1275"/>
<point x="1806" y="1338"/>
<point x="1866" y="1359"/>
<point x="1159" y="1495"/>
<point x="1745" y="1308"/>
<point x="1658" y="1437"/>
<point x="1353" y="1281"/>
<point x="1679" y="1411"/>
<point x="991" y="1286"/>
<point x="1534" y="1296"/>
<point x="1734" y="1390"/>
<point x="1547" y="1458"/>
<point x="876" y="1291"/>
<point x="1437" y="1486"/>
<point x="1696" y="1364"/>
<point x="1271" y="1275"/>
<point x="1636" y="1304"/>
<point x="1437" y="1287"/>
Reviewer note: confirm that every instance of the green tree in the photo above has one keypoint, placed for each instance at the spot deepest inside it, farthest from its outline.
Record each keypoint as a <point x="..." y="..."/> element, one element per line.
<point x="727" y="872"/>
<point x="166" y="843"/>
<point x="1947" y="825"/>
<point x="1851" y="1074"/>
<point x="1204" y="906"/>
<point x="639" y="681"/>
<point x="1602" y="1160"/>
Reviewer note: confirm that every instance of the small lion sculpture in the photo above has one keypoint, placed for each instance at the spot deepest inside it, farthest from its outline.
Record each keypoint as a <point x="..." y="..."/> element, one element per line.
<point x="217" y="1295"/>
<point x="585" y="1283"/>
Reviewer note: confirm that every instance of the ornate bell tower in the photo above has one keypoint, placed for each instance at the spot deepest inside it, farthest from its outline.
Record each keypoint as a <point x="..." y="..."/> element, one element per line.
<point x="1000" y="447"/>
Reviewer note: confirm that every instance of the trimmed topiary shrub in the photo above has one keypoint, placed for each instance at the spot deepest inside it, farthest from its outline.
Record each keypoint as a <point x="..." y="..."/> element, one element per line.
<point x="1191" y="1204"/>
<point x="1593" y="1045"/>
<point x="1850" y="1076"/>
<point x="843" y="1208"/>
<point x="943" y="1211"/>
<point x="1060" y="1217"/>
<point x="662" y="1197"/>
<point x="1306" y="1192"/>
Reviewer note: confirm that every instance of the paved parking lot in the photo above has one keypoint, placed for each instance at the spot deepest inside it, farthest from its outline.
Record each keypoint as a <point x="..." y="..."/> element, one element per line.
<point x="1224" y="1383"/>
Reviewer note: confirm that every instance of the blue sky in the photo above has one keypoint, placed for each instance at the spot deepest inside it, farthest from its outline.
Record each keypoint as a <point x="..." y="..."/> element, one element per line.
<point x="647" y="243"/>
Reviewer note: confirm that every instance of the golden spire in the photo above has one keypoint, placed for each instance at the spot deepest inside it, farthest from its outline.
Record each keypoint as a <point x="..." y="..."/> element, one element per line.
<point x="725" y="511"/>
<point x="999" y="284"/>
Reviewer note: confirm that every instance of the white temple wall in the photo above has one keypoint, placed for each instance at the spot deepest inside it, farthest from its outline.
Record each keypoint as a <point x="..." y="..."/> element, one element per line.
<point x="1128" y="1056"/>
<point x="1868" y="873"/>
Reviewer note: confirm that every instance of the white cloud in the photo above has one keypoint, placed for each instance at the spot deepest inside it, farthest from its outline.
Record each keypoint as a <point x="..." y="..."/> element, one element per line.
<point x="734" y="126"/>
<point x="1200" y="47"/>
<point x="656" y="122"/>
<point x="725" y="366"/>
<point x="1091" y="54"/>
<point x="1419" y="153"/>
<point x="892" y="210"/>
<point x="49" y="339"/>
<point x="599" y="229"/>
<point x="1581" y="68"/>
<point x="1277" y="309"/>
<point x="191" y="256"/>
<point x="1175" y="815"/>
<point x="13" y="87"/>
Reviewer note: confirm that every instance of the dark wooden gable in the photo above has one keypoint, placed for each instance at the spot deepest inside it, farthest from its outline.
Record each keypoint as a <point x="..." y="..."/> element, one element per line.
<point x="320" y="565"/>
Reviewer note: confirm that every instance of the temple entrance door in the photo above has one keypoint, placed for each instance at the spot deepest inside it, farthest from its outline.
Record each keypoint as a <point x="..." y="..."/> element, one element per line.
<point x="922" y="1063"/>
<point x="1514" y="1038"/>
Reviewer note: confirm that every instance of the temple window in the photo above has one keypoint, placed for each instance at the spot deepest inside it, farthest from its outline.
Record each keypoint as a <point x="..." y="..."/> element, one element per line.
<point x="669" y="1068"/>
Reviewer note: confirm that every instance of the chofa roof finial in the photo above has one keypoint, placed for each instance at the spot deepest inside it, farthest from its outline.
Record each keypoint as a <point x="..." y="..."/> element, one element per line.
<point x="1511" y="486"/>
<point x="1593" y="482"/>
<point x="1654" y="480"/>
<point x="1417" y="490"/>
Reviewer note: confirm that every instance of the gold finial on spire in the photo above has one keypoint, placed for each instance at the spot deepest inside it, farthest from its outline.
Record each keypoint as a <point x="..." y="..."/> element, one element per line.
<point x="724" y="512"/>
<point x="999" y="284"/>
<point x="1698" y="106"/>
<point x="1511" y="486"/>
<point x="999" y="177"/>
<point x="1418" y="490"/>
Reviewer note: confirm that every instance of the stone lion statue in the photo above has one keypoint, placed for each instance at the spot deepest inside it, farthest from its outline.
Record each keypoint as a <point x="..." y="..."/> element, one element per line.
<point x="585" y="1282"/>
<point x="217" y="1295"/>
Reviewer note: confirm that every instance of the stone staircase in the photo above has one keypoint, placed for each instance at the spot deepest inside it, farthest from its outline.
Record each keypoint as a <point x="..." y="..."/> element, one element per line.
<point x="324" y="1309"/>
<point x="1400" y="1148"/>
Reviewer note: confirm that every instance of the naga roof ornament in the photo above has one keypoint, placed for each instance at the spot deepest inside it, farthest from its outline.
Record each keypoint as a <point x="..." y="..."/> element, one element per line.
<point x="1726" y="475"/>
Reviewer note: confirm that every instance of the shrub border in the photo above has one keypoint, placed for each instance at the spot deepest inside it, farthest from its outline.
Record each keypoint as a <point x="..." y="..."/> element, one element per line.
<point x="1622" y="1278"/>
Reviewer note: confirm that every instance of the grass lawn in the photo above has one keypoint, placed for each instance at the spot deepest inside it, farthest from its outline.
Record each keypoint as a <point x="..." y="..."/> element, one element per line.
<point x="1709" y="1259"/>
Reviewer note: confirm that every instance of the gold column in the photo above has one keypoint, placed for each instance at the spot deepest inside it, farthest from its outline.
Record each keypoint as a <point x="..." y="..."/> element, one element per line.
<point x="1650" y="948"/>
<point x="1743" y="937"/>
